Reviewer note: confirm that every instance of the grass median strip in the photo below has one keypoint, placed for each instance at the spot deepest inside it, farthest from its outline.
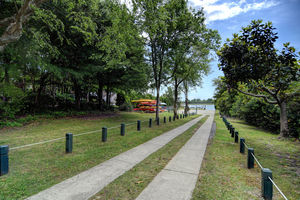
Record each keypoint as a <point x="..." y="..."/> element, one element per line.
<point x="224" y="173"/>
<point x="39" y="167"/>
<point x="131" y="184"/>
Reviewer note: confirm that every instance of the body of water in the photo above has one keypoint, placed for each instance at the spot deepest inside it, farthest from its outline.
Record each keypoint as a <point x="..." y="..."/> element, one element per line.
<point x="202" y="106"/>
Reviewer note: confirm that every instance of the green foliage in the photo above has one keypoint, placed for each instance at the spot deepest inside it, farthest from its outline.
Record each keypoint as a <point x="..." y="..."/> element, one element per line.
<point x="294" y="117"/>
<point x="168" y="97"/>
<point x="251" y="56"/>
<point x="11" y="102"/>
<point x="71" y="54"/>
<point x="126" y="107"/>
<point x="253" y="66"/>
<point x="255" y="111"/>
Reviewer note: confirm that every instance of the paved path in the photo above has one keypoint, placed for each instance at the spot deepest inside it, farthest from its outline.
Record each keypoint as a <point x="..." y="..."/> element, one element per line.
<point x="178" y="179"/>
<point x="88" y="183"/>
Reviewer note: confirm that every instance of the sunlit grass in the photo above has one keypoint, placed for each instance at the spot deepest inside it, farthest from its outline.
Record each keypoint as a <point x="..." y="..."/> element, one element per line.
<point x="224" y="174"/>
<point x="38" y="167"/>
<point x="131" y="184"/>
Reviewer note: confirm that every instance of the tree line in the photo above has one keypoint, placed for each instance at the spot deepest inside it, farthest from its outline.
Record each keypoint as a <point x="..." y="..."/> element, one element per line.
<point x="62" y="55"/>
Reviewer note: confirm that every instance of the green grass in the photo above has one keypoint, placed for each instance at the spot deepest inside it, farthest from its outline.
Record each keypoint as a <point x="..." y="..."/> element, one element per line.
<point x="224" y="173"/>
<point x="36" y="168"/>
<point x="131" y="184"/>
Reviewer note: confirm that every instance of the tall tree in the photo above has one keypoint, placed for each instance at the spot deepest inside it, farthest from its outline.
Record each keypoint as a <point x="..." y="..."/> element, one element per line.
<point x="171" y="29"/>
<point x="251" y="59"/>
<point x="152" y="17"/>
<point x="119" y="59"/>
<point x="13" y="19"/>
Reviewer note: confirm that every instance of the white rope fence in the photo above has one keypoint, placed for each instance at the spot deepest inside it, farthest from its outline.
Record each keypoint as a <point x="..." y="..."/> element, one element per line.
<point x="80" y="134"/>
<point x="278" y="189"/>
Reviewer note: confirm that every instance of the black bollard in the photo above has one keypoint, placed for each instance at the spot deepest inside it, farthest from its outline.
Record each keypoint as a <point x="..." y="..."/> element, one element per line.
<point x="170" y="118"/>
<point x="104" y="134"/>
<point x="122" y="129"/>
<point x="4" y="166"/>
<point x="150" y="122"/>
<point x="236" y="137"/>
<point x="69" y="143"/>
<point x="242" y="145"/>
<point x="138" y="125"/>
<point x="232" y="132"/>
<point x="250" y="158"/>
<point x="266" y="184"/>
<point x="165" y="119"/>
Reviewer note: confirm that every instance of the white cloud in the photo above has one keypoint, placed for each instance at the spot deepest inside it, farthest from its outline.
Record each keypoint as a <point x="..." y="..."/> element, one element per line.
<point x="216" y="10"/>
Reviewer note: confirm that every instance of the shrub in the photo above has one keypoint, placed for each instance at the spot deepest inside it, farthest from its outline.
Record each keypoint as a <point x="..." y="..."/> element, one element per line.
<point x="126" y="107"/>
<point x="11" y="102"/>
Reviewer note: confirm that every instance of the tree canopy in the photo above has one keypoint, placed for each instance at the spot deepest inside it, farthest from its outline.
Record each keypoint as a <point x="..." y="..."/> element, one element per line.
<point x="253" y="66"/>
<point x="66" y="55"/>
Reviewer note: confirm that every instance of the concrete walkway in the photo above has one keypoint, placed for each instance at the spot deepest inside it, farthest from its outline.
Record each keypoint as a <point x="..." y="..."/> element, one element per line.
<point x="88" y="183"/>
<point x="178" y="179"/>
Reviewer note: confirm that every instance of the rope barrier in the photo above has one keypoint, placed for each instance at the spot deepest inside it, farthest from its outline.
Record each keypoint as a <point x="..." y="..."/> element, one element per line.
<point x="278" y="189"/>
<point x="48" y="141"/>
<point x="256" y="161"/>
<point x="268" y="177"/>
<point x="113" y="127"/>
<point x="246" y="145"/>
<point x="130" y="124"/>
<point x="33" y="144"/>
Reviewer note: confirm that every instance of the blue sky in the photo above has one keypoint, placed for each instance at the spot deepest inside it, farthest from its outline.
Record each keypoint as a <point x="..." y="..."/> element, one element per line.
<point x="229" y="16"/>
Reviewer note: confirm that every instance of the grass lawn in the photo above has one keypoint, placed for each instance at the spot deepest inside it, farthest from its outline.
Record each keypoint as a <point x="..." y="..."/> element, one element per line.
<point x="36" y="168"/>
<point x="131" y="184"/>
<point x="224" y="173"/>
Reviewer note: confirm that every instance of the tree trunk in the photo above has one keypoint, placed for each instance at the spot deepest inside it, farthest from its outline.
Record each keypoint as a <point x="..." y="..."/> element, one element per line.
<point x="175" y="98"/>
<point x="33" y="83"/>
<point x="100" y="94"/>
<point x="39" y="92"/>
<point x="6" y="81"/>
<point x="107" y="97"/>
<point x="186" y="108"/>
<point x="77" y="94"/>
<point x="157" y="101"/>
<point x="88" y="97"/>
<point x="284" y="129"/>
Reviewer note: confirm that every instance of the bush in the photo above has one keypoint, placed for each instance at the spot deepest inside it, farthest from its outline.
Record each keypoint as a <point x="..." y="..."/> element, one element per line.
<point x="126" y="107"/>
<point x="294" y="117"/>
<point x="10" y="124"/>
<point x="13" y="103"/>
